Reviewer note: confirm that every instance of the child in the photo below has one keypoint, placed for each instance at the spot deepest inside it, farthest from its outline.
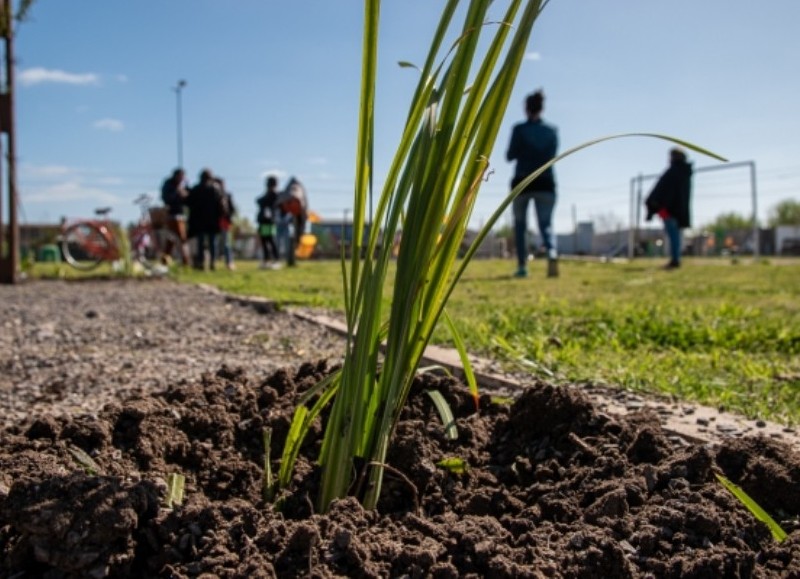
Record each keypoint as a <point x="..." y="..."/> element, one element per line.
<point x="266" y="220"/>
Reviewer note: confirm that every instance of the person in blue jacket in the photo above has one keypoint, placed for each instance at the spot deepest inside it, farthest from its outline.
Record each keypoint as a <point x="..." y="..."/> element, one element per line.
<point x="534" y="143"/>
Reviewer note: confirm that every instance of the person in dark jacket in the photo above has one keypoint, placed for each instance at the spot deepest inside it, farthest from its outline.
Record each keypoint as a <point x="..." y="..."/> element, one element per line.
<point x="205" y="209"/>
<point x="534" y="143"/>
<point x="227" y="212"/>
<point x="174" y="193"/>
<point x="670" y="199"/>
<point x="267" y="219"/>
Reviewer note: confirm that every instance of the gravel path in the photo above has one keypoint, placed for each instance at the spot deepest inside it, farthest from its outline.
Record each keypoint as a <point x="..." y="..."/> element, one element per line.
<point x="71" y="347"/>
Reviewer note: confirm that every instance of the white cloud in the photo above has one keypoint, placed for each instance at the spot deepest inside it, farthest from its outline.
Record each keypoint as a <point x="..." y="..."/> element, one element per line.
<point x="318" y="161"/>
<point x="533" y="56"/>
<point x="122" y="78"/>
<point x="109" y="125"/>
<point x="32" y="76"/>
<point x="29" y="170"/>
<point x="69" y="192"/>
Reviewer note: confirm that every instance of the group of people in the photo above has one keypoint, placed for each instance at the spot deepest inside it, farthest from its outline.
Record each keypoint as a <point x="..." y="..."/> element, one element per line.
<point x="206" y="210"/>
<point x="209" y="220"/>
<point x="281" y="220"/>
<point x="281" y="214"/>
<point x="534" y="143"/>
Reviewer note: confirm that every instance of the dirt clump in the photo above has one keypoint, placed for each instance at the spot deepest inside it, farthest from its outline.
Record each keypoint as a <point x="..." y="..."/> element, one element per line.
<point x="586" y="495"/>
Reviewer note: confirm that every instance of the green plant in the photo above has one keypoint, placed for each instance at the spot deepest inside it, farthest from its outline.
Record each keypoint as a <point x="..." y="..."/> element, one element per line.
<point x="777" y="532"/>
<point x="428" y="195"/>
<point x="84" y="460"/>
<point x="268" y="484"/>
<point x="175" y="488"/>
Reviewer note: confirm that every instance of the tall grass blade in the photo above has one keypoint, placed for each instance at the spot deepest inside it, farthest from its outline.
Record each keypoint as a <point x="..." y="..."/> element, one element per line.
<point x="429" y="193"/>
<point x="427" y="200"/>
<point x="461" y="348"/>
<point x="268" y="489"/>
<point x="291" y="448"/>
<point x="777" y="532"/>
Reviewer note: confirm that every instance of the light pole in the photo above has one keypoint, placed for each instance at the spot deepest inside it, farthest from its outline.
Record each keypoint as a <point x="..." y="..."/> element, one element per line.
<point x="178" y="91"/>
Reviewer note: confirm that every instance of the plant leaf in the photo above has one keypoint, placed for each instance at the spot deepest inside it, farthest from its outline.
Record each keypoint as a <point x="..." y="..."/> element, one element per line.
<point x="293" y="440"/>
<point x="445" y="413"/>
<point x="83" y="459"/>
<point x="469" y="375"/>
<point x="777" y="532"/>
<point x="269" y="484"/>
<point x="454" y="465"/>
<point x="175" y="485"/>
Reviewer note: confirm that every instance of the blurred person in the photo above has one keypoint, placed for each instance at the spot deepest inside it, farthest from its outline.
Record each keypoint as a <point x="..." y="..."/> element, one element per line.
<point x="534" y="143"/>
<point x="266" y="219"/>
<point x="227" y="213"/>
<point x="670" y="199"/>
<point x="293" y="214"/>
<point x="174" y="192"/>
<point x="204" y="202"/>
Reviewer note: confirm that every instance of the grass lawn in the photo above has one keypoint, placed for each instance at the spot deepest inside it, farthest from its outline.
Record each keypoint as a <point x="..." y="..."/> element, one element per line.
<point x="715" y="331"/>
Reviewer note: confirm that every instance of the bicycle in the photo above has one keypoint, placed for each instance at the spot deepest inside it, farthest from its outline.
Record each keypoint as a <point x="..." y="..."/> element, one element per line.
<point x="86" y="243"/>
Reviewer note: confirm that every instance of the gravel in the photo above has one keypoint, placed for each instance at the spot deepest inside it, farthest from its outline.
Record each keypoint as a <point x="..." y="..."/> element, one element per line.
<point x="72" y="347"/>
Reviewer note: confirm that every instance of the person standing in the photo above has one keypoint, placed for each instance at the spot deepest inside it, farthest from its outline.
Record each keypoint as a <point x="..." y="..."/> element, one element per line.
<point x="534" y="143"/>
<point x="267" y="224"/>
<point x="292" y="214"/>
<point x="670" y="199"/>
<point x="227" y="213"/>
<point x="174" y="192"/>
<point x="204" y="204"/>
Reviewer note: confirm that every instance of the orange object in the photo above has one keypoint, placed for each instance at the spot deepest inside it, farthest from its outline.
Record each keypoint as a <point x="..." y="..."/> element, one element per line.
<point x="306" y="246"/>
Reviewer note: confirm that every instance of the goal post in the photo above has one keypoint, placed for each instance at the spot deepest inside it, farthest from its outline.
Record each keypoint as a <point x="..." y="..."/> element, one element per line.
<point x="637" y="198"/>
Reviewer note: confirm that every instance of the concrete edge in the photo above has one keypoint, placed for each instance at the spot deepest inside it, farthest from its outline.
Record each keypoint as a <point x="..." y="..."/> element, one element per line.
<point x="692" y="422"/>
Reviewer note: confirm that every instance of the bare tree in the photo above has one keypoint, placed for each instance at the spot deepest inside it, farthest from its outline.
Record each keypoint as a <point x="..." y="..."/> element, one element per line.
<point x="607" y="222"/>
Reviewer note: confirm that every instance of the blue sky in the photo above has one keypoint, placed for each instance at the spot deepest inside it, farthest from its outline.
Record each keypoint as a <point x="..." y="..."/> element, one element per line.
<point x="272" y="87"/>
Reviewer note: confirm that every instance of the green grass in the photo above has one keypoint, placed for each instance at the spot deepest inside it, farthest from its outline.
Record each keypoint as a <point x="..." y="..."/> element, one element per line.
<point x="712" y="332"/>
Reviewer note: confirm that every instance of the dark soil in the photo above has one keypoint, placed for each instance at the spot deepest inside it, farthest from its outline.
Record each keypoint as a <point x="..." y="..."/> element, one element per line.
<point x="554" y="488"/>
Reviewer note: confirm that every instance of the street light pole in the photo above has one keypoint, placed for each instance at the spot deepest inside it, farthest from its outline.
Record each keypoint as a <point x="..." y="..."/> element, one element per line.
<point x="178" y="91"/>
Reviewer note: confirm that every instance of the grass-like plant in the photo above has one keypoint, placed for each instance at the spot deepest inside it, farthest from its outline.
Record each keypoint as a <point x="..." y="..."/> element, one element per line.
<point x="428" y="196"/>
<point x="755" y="509"/>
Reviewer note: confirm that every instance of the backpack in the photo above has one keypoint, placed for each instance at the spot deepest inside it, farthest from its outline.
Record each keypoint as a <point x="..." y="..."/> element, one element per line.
<point x="225" y="209"/>
<point x="293" y="199"/>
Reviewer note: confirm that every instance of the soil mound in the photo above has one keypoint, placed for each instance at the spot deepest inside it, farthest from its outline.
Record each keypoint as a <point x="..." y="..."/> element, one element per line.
<point x="554" y="488"/>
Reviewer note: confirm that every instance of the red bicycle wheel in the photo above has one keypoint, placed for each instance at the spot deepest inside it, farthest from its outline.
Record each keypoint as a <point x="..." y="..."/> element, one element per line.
<point x="85" y="246"/>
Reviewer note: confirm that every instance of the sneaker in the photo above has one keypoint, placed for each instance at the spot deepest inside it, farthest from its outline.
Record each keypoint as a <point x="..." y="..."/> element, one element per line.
<point x="672" y="265"/>
<point x="552" y="268"/>
<point x="521" y="272"/>
<point x="264" y="265"/>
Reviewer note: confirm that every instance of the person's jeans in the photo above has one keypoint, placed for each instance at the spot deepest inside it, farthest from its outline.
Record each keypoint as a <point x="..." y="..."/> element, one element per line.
<point x="226" y="238"/>
<point x="200" y="257"/>
<point x="544" y="202"/>
<point x="285" y="238"/>
<point x="673" y="232"/>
